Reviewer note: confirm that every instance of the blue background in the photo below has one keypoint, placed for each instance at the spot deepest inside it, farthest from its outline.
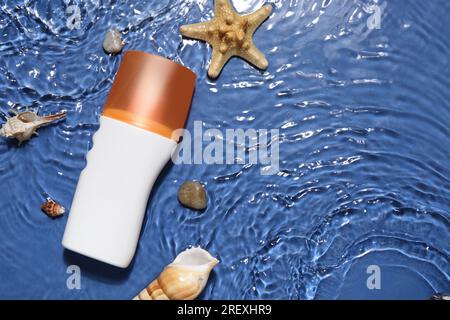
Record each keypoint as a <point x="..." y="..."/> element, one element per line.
<point x="364" y="173"/>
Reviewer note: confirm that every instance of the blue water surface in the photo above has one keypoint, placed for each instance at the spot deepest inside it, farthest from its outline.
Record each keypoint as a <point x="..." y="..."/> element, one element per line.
<point x="363" y="114"/>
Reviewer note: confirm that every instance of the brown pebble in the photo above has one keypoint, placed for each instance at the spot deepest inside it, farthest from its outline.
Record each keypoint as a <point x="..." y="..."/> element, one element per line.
<point x="52" y="208"/>
<point x="192" y="195"/>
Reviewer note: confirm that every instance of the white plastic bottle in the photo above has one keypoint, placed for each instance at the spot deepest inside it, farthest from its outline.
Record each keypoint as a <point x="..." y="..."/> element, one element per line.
<point x="150" y="98"/>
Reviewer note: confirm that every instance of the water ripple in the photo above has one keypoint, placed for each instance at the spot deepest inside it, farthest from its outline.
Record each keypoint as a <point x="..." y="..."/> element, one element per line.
<point x="364" y="146"/>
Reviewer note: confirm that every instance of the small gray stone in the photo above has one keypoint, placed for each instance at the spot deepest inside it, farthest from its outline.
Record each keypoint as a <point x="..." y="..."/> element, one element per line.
<point x="113" y="42"/>
<point x="192" y="195"/>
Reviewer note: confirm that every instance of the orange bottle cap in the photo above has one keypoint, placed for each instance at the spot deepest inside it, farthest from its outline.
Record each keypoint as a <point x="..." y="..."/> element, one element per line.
<point x="151" y="92"/>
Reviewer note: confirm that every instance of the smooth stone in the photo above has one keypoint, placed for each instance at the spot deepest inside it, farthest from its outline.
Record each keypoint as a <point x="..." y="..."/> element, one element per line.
<point x="113" y="42"/>
<point x="192" y="194"/>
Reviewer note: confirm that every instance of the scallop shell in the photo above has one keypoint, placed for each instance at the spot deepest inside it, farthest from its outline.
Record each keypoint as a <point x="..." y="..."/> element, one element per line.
<point x="183" y="279"/>
<point x="52" y="208"/>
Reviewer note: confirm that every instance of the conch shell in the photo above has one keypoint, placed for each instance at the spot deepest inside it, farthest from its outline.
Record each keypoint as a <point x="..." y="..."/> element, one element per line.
<point x="183" y="279"/>
<point x="22" y="126"/>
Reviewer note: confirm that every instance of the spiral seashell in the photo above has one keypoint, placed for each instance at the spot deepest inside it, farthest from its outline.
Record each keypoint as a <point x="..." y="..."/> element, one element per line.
<point x="52" y="208"/>
<point x="23" y="126"/>
<point x="183" y="279"/>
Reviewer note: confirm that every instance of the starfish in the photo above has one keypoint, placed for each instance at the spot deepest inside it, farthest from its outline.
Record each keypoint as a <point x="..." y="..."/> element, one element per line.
<point x="230" y="34"/>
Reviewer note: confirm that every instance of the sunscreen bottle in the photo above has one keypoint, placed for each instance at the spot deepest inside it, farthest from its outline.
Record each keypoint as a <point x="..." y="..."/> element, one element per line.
<point x="149" y="99"/>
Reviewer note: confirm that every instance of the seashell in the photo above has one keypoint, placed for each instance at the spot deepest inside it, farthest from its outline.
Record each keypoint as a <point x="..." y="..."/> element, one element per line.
<point x="192" y="194"/>
<point x="23" y="126"/>
<point x="113" y="42"/>
<point x="183" y="279"/>
<point x="52" y="208"/>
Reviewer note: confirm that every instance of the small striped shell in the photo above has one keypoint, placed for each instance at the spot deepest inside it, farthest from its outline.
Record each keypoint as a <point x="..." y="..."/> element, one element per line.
<point x="52" y="208"/>
<point x="183" y="279"/>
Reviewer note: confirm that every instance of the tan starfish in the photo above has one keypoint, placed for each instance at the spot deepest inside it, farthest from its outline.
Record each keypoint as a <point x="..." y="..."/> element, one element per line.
<point x="230" y="34"/>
